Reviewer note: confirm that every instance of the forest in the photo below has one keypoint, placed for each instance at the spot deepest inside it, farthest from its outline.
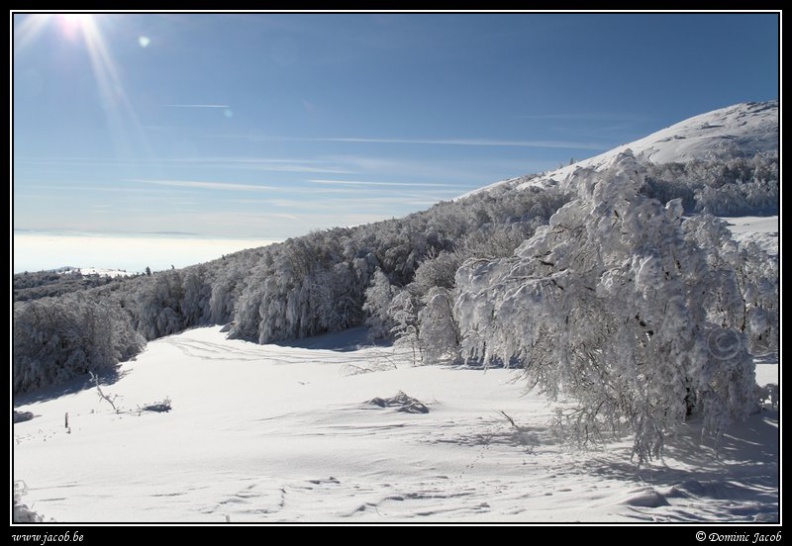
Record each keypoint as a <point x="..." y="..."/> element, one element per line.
<point x="626" y="293"/>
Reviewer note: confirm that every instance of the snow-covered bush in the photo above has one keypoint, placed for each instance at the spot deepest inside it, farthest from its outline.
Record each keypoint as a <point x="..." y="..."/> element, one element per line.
<point x="57" y="339"/>
<point x="402" y="403"/>
<point x="733" y="187"/>
<point x="23" y="514"/>
<point x="608" y="306"/>
<point x="22" y="416"/>
<point x="163" y="406"/>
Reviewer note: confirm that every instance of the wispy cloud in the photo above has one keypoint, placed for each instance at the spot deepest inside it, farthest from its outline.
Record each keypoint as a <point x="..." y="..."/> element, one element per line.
<point x="561" y="144"/>
<point x="52" y="190"/>
<point x="363" y="203"/>
<point x="472" y="142"/>
<point x="285" y="167"/>
<point x="205" y="185"/>
<point x="197" y="106"/>
<point x="592" y="116"/>
<point x="367" y="183"/>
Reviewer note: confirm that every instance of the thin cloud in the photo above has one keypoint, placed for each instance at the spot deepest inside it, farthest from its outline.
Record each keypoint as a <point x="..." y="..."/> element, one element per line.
<point x="347" y="203"/>
<point x="366" y="183"/>
<point x="473" y="142"/>
<point x="197" y="106"/>
<point x="264" y="164"/>
<point x="589" y="117"/>
<point x="50" y="188"/>
<point x="278" y="167"/>
<point x="206" y="185"/>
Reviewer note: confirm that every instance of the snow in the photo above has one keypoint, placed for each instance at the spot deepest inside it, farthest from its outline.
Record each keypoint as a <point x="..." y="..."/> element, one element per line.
<point x="97" y="271"/>
<point x="278" y="433"/>
<point x="746" y="128"/>
<point x="762" y="230"/>
<point x="288" y="433"/>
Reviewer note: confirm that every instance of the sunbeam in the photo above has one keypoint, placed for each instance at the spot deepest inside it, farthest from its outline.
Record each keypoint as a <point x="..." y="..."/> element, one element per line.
<point x="127" y="133"/>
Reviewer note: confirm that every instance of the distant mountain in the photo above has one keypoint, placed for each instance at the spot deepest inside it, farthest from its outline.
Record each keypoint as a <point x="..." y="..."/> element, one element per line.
<point x="741" y="130"/>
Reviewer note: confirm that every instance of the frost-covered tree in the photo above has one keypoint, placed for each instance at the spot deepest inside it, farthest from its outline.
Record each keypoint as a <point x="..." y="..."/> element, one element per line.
<point x="378" y="300"/>
<point x="743" y="285"/>
<point x="606" y="306"/>
<point x="196" y="295"/>
<point x="58" y="339"/>
<point x="407" y="329"/>
<point x="438" y="332"/>
<point x="727" y="187"/>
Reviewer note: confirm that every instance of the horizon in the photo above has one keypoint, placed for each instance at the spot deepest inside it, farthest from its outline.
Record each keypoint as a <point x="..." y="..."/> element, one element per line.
<point x="248" y="127"/>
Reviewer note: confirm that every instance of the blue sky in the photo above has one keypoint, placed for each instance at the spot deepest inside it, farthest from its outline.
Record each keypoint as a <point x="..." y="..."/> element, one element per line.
<point x="258" y="127"/>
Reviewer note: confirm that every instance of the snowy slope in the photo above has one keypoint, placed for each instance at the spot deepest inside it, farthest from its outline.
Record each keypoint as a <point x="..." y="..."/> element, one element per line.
<point x="762" y="230"/>
<point x="284" y="434"/>
<point x="742" y="129"/>
<point x="279" y="433"/>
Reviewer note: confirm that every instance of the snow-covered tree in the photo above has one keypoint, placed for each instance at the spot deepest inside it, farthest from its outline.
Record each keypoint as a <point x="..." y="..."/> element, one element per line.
<point x="378" y="300"/>
<point x="407" y="329"/>
<point x="606" y="306"/>
<point x="438" y="333"/>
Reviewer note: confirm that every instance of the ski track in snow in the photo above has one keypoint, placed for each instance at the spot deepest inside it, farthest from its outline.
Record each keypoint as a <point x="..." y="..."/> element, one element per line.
<point x="271" y="433"/>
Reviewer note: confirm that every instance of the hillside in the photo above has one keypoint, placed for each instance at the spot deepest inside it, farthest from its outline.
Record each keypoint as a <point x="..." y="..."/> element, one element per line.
<point x="742" y="130"/>
<point x="631" y="315"/>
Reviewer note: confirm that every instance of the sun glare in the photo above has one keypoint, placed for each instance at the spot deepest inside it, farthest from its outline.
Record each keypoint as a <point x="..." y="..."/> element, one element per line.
<point x="75" y="21"/>
<point x="89" y="30"/>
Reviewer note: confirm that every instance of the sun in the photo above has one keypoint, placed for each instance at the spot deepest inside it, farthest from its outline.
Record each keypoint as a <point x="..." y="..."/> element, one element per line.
<point x="77" y="25"/>
<point x="86" y="32"/>
<point x="72" y="26"/>
<point x="75" y="19"/>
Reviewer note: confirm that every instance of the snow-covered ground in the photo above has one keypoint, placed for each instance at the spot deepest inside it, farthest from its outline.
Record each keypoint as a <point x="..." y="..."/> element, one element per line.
<point x="746" y="128"/>
<point x="279" y="433"/>
<point x="762" y="230"/>
<point x="287" y="433"/>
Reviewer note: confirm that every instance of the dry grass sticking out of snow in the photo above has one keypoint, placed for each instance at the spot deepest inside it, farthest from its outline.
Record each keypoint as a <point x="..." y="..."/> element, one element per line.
<point x="280" y="433"/>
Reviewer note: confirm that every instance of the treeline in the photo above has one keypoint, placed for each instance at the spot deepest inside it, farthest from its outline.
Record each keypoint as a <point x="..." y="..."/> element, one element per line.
<point x="400" y="277"/>
<point x="42" y="284"/>
<point x="301" y="287"/>
<point x="608" y="295"/>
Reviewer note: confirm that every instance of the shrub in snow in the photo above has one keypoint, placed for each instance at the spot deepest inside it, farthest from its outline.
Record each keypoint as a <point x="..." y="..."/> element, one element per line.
<point x="608" y="306"/>
<point x="109" y="398"/>
<point x="23" y="514"/>
<point x="158" y="407"/>
<point x="401" y="402"/>
<point x="22" y="416"/>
